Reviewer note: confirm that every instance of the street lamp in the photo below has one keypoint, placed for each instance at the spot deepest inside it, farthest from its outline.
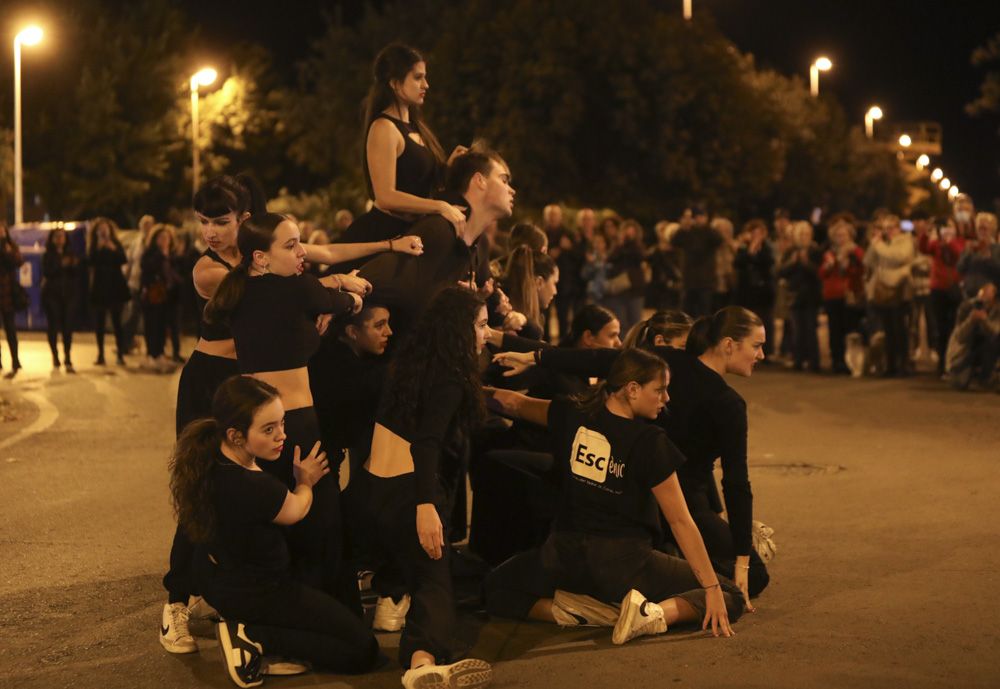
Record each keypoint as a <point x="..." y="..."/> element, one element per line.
<point x="30" y="35"/>
<point x="874" y="113"/>
<point x="945" y="184"/>
<point x="687" y="9"/>
<point x="822" y="64"/>
<point x="203" y="77"/>
<point x="952" y="193"/>
<point x="905" y="140"/>
<point x="923" y="161"/>
<point x="937" y="174"/>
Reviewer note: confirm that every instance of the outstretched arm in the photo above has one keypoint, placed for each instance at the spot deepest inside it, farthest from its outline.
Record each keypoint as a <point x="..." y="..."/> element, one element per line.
<point x="520" y="406"/>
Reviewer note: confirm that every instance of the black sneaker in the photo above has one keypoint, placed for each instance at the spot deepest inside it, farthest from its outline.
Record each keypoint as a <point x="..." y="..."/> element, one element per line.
<point x="241" y="656"/>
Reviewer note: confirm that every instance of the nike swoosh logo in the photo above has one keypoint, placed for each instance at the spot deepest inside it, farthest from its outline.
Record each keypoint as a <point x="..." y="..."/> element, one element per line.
<point x="164" y="630"/>
<point x="642" y="608"/>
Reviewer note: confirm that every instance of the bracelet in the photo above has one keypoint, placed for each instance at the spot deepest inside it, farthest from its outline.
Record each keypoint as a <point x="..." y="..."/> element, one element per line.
<point x="743" y="566"/>
<point x="390" y="245"/>
<point x="713" y="586"/>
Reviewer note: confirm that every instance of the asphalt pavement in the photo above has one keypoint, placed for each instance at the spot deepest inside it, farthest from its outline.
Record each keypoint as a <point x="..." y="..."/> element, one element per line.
<point x="882" y="494"/>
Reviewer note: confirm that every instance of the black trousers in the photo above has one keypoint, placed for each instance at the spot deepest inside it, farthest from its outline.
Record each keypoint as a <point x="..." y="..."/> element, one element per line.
<point x="59" y="319"/>
<point x="383" y="510"/>
<point x="604" y="567"/>
<point x="944" y="306"/>
<point x="101" y="312"/>
<point x="316" y="543"/>
<point x="154" y="327"/>
<point x="702" y="502"/>
<point x="836" y="323"/>
<point x="373" y="226"/>
<point x="806" y="339"/>
<point x="897" y="336"/>
<point x="10" y="330"/>
<point x="290" y="619"/>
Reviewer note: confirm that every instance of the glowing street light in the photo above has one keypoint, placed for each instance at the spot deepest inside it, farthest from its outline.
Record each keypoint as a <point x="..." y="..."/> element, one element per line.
<point x="952" y="193"/>
<point x="874" y="113"/>
<point x="203" y="77"/>
<point x="822" y="64"/>
<point x="30" y="35"/>
<point x="905" y="141"/>
<point x="945" y="184"/>
<point x="687" y="9"/>
<point x="937" y="174"/>
<point x="923" y="161"/>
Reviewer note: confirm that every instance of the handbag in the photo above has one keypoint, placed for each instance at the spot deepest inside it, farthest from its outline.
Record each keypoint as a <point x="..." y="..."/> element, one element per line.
<point x="887" y="295"/>
<point x="155" y="294"/>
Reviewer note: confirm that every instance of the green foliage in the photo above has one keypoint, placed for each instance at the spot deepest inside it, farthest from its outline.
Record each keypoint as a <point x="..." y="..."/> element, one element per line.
<point x="989" y="91"/>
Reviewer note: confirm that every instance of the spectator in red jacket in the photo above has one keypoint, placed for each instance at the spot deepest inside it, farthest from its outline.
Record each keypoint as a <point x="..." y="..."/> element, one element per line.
<point x="944" y="246"/>
<point x="842" y="274"/>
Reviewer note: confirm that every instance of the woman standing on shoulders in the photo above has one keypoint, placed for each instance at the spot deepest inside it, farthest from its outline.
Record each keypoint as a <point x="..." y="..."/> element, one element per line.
<point x="403" y="161"/>
<point x="108" y="288"/>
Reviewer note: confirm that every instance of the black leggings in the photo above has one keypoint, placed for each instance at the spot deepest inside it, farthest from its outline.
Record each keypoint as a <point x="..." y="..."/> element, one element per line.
<point x="604" y="567"/>
<point x="316" y="543"/>
<point x="291" y="620"/>
<point x="718" y="537"/>
<point x="201" y="377"/>
<point x="58" y="319"/>
<point x="10" y="329"/>
<point x="101" y="312"/>
<point x="154" y="328"/>
<point x="944" y="305"/>
<point x="373" y="226"/>
<point x="897" y="336"/>
<point x="383" y="509"/>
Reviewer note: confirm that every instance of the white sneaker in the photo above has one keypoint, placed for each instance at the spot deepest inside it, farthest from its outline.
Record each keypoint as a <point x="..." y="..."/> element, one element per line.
<point x="174" y="633"/>
<point x="242" y="657"/>
<point x="200" y="609"/>
<point x="280" y="667"/>
<point x="763" y="542"/>
<point x="465" y="674"/>
<point x="579" y="610"/>
<point x="638" y="617"/>
<point x="389" y="615"/>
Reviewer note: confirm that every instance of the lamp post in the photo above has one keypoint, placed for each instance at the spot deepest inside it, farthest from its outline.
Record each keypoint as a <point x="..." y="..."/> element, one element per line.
<point x="923" y="161"/>
<point x="202" y="77"/>
<point x="874" y="113"/>
<point x="822" y="64"/>
<point x="687" y="9"/>
<point x="937" y="174"/>
<point x="945" y="184"/>
<point x="29" y="36"/>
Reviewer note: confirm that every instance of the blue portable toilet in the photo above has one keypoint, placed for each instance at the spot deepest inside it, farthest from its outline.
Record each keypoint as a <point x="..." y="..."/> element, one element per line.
<point x="31" y="238"/>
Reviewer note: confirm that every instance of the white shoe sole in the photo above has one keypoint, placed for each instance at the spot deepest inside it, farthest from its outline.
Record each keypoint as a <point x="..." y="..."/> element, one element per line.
<point x="178" y="647"/>
<point x="465" y="674"/>
<point x="226" y="648"/>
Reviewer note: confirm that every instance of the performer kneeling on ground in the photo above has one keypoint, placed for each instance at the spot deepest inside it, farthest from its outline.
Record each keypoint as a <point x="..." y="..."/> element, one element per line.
<point x="619" y="468"/>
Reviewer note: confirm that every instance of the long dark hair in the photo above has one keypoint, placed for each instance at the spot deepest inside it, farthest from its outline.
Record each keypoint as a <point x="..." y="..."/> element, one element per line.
<point x="668" y="324"/>
<point x="591" y="317"/>
<point x="393" y="63"/>
<point x="523" y="266"/>
<point x="234" y="405"/>
<point x="227" y="194"/>
<point x="256" y="233"/>
<point x="527" y="234"/>
<point x="731" y="321"/>
<point x="631" y="365"/>
<point x="112" y="232"/>
<point x="441" y="347"/>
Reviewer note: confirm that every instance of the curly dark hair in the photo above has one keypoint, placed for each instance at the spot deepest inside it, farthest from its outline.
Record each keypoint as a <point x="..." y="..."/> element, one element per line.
<point x="198" y="448"/>
<point x="441" y="347"/>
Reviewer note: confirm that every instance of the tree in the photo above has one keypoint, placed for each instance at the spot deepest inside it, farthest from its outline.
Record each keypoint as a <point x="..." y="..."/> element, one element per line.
<point x="989" y="91"/>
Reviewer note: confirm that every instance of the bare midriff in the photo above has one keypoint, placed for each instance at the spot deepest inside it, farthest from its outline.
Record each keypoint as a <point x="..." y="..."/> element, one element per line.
<point x="292" y="385"/>
<point x="390" y="454"/>
<point x="220" y="348"/>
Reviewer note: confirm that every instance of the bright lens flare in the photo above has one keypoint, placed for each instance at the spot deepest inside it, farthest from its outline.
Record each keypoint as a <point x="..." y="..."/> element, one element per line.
<point x="204" y="77"/>
<point x="905" y="140"/>
<point x="823" y="64"/>
<point x="945" y="184"/>
<point x="31" y="35"/>
<point x="937" y="174"/>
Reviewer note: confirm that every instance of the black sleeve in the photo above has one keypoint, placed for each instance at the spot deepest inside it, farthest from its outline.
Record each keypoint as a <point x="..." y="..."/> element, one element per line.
<point x="250" y="496"/>
<point x="513" y="343"/>
<point x="430" y="437"/>
<point x="730" y="417"/>
<point x="317" y="299"/>
<point x="659" y="457"/>
<point x="582" y="362"/>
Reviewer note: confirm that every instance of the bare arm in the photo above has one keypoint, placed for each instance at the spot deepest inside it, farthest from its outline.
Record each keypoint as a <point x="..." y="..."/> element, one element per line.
<point x="521" y="406"/>
<point x="307" y="473"/>
<point x="338" y="253"/>
<point x="208" y="274"/>
<point x="382" y="148"/>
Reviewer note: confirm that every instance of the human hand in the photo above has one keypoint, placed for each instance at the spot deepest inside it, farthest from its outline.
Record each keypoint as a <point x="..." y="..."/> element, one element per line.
<point x="410" y="244"/>
<point x="716" y="615"/>
<point x="323" y="322"/>
<point x="517" y="362"/>
<point x="429" y="530"/>
<point x="358" y="303"/>
<point x="310" y="470"/>
<point x="454" y="215"/>
<point x="459" y="150"/>
<point x="514" y="320"/>
<point x="352" y="283"/>
<point x="741" y="577"/>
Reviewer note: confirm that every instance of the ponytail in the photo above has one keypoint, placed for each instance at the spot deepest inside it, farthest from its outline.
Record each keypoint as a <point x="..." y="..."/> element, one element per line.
<point x="668" y="324"/>
<point x="519" y="283"/>
<point x="591" y="318"/>
<point x="733" y="322"/>
<point x="632" y="365"/>
<point x="191" y="478"/>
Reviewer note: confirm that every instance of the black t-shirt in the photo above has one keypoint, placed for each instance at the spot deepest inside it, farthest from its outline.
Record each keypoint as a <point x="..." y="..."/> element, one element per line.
<point x="246" y="502"/>
<point x="610" y="465"/>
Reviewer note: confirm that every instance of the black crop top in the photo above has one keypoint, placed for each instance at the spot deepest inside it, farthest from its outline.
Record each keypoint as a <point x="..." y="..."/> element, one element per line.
<point x="212" y="332"/>
<point x="274" y="325"/>
<point x="417" y="169"/>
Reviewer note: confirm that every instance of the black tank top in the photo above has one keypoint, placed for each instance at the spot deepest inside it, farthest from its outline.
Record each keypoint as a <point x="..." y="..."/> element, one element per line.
<point x="213" y="332"/>
<point x="416" y="168"/>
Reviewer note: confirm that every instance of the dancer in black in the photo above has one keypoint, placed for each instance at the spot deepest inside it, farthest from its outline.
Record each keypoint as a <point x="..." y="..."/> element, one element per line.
<point x="59" y="290"/>
<point x="272" y="309"/>
<point x="618" y="469"/>
<point x="403" y="162"/>
<point x="431" y="402"/>
<point x="707" y="420"/>
<point x="108" y="288"/>
<point x="479" y="180"/>
<point x="237" y="513"/>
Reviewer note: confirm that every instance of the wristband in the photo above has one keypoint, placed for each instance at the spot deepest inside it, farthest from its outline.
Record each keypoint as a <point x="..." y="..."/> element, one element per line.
<point x="390" y="245"/>
<point x="713" y="586"/>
